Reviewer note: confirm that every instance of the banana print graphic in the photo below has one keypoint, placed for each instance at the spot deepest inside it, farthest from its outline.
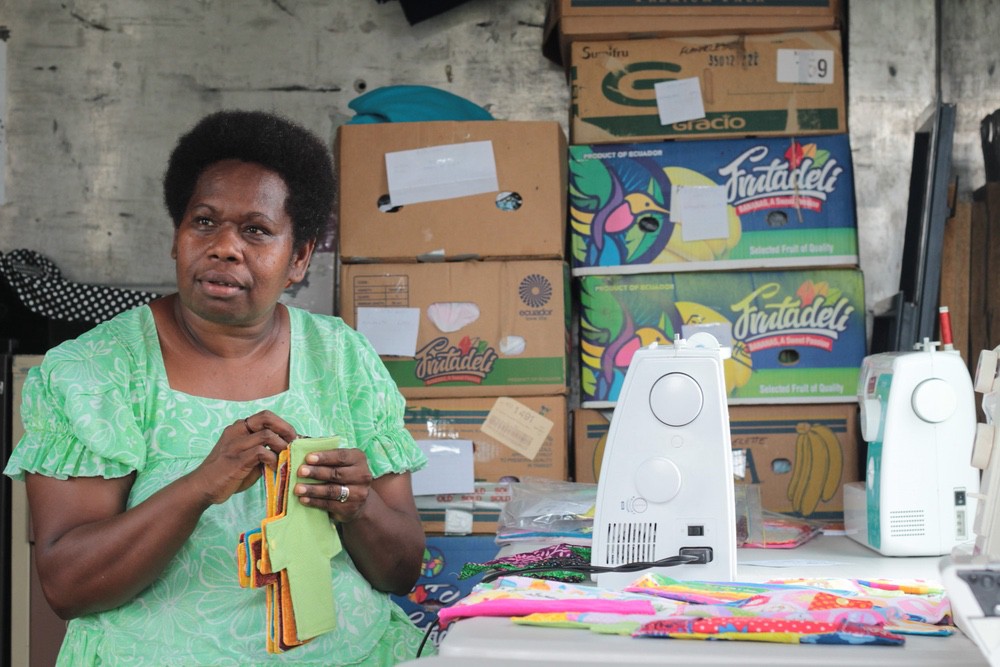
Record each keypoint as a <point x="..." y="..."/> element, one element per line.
<point x="818" y="467"/>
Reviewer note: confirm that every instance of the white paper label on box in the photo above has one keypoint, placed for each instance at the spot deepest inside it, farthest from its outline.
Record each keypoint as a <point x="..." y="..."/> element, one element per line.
<point x="701" y="211"/>
<point x="679" y="100"/>
<point x="723" y="331"/>
<point x="457" y="522"/>
<point x="391" y="331"/>
<point x="450" y="316"/>
<point x="805" y="66"/>
<point x="517" y="426"/>
<point x="739" y="463"/>
<point x="449" y="468"/>
<point x="441" y="172"/>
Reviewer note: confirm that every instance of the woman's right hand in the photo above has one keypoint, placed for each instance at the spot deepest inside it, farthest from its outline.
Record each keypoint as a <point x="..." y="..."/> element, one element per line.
<point x="233" y="465"/>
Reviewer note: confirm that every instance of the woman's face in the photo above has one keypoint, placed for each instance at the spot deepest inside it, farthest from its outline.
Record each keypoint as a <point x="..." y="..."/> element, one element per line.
<point x="234" y="248"/>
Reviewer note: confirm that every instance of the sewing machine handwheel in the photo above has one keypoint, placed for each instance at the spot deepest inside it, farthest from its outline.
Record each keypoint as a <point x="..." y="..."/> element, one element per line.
<point x="986" y="371"/>
<point x="982" y="448"/>
<point x="676" y="399"/>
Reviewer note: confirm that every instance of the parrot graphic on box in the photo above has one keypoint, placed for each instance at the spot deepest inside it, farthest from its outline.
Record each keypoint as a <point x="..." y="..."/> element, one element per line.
<point x="606" y="351"/>
<point x="624" y="212"/>
<point x="620" y="213"/>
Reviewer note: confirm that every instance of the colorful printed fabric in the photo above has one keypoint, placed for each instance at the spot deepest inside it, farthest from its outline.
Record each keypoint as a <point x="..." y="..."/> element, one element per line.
<point x="902" y="607"/>
<point x="811" y="611"/>
<point x="769" y="630"/>
<point x="521" y="596"/>
<point x="547" y="557"/>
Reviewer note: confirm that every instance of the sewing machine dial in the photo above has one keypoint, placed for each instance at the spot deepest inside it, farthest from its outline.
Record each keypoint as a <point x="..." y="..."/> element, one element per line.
<point x="676" y="399"/>
<point x="933" y="400"/>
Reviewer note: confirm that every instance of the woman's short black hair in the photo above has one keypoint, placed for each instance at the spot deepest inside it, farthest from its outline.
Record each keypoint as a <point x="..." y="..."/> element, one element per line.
<point x="276" y="143"/>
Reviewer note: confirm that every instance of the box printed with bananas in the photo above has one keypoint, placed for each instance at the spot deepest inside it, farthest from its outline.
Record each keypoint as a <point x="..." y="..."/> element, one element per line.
<point x="795" y="336"/>
<point x="712" y="204"/>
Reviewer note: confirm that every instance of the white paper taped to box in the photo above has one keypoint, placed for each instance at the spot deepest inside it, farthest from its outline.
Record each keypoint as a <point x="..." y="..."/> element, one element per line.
<point x="450" y="316"/>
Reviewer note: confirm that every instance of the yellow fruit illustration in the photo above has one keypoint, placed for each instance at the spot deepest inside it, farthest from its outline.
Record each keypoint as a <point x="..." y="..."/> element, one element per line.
<point x="698" y="251"/>
<point x="739" y="366"/>
<point x="818" y="467"/>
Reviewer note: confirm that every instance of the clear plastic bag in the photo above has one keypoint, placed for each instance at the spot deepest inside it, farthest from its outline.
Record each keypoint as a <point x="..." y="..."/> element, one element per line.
<point x="544" y="509"/>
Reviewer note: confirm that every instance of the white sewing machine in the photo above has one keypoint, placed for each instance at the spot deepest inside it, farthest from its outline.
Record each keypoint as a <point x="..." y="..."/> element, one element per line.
<point x="666" y="484"/>
<point x="918" y="416"/>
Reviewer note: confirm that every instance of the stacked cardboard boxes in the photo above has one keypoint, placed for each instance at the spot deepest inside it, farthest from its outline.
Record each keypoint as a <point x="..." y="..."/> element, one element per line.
<point x="452" y="238"/>
<point x="711" y="190"/>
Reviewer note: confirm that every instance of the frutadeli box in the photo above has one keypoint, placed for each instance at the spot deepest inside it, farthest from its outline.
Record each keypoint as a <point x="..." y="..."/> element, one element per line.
<point x="567" y="21"/>
<point x="526" y="218"/>
<point x="512" y="446"/>
<point x="796" y="336"/>
<point x="770" y="202"/>
<point x="707" y="86"/>
<point x="480" y="328"/>
<point x="765" y="441"/>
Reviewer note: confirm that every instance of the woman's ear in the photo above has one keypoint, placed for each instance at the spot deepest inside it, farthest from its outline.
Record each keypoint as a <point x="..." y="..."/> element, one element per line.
<point x="300" y="262"/>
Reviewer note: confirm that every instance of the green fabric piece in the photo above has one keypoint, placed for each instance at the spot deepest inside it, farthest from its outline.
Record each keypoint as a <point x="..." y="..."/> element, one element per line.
<point x="302" y="542"/>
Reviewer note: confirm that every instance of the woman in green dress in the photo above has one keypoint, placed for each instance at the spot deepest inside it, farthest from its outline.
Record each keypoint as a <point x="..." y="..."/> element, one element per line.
<point x="145" y="437"/>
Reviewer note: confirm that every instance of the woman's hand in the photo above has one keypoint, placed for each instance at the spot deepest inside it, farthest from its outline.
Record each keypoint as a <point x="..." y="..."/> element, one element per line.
<point x="343" y="481"/>
<point x="378" y="519"/>
<point x="233" y="465"/>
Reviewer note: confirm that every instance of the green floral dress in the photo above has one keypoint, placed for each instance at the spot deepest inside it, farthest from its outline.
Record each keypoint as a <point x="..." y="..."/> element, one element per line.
<point x="100" y="405"/>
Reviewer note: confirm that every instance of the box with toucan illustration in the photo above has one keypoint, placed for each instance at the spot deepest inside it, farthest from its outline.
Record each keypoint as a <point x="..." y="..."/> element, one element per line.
<point x="714" y="204"/>
<point x="795" y="336"/>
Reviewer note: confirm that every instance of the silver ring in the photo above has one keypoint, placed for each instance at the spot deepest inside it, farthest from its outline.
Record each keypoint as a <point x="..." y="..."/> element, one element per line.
<point x="345" y="493"/>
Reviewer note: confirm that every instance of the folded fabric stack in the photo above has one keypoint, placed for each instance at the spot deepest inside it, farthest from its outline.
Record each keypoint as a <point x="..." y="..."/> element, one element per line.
<point x="289" y="555"/>
<point x="807" y="611"/>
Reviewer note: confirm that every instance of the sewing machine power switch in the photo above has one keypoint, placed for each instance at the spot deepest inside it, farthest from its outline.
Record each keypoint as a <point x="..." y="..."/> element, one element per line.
<point x="933" y="400"/>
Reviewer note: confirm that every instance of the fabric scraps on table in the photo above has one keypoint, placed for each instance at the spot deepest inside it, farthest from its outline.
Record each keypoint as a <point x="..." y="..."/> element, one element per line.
<point x="553" y="556"/>
<point x="816" y="611"/>
<point x="520" y="596"/>
<point x="781" y="532"/>
<point x="769" y="630"/>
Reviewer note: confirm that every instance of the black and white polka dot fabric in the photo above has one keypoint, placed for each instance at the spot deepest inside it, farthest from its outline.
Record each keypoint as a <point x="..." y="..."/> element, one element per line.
<point x="39" y="285"/>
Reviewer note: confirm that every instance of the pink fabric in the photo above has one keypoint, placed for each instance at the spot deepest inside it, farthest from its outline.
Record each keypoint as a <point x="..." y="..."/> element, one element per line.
<point x="526" y="606"/>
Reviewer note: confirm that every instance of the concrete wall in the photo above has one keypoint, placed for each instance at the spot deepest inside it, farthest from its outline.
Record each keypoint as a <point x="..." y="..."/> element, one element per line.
<point x="98" y="91"/>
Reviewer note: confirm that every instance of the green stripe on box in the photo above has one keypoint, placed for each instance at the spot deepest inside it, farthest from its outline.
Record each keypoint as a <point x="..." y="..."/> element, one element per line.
<point x="717" y="123"/>
<point x="544" y="371"/>
<point x="787" y="242"/>
<point x="841" y="382"/>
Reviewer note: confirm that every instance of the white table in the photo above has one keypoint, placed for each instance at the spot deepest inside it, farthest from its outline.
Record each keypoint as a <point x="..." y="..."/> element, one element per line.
<point x="489" y="642"/>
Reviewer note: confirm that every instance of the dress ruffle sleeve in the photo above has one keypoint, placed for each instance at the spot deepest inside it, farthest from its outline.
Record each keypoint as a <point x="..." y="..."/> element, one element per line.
<point x="377" y="413"/>
<point x="82" y="412"/>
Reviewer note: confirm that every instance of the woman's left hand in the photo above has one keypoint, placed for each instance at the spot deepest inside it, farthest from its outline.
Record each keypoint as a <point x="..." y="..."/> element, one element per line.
<point x="343" y="482"/>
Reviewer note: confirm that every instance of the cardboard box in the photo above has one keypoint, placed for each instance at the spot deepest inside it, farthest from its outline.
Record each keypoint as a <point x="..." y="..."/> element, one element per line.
<point x="439" y="585"/>
<point x="764" y="441"/>
<point x="530" y="161"/>
<point x="796" y="336"/>
<point x="484" y="329"/>
<point x="757" y="203"/>
<point x="568" y="21"/>
<point x="590" y="433"/>
<point x="525" y="436"/>
<point x="473" y="513"/>
<point x="750" y="85"/>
